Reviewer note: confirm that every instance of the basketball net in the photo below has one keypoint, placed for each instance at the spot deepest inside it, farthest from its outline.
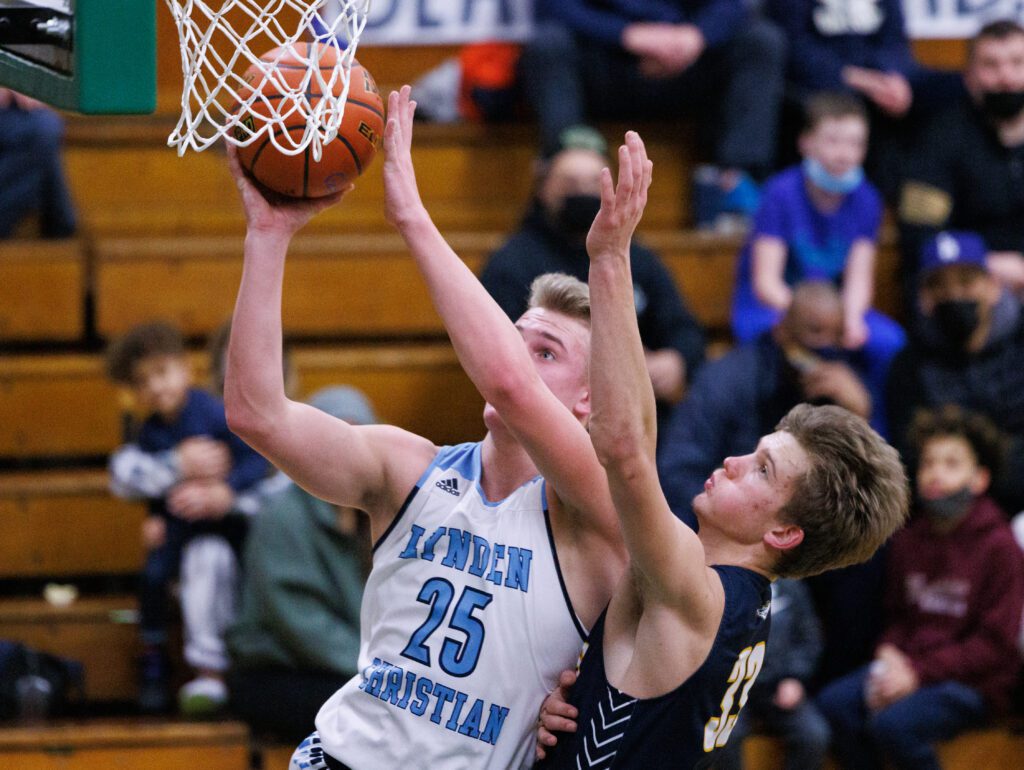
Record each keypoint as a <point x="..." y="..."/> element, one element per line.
<point x="221" y="39"/>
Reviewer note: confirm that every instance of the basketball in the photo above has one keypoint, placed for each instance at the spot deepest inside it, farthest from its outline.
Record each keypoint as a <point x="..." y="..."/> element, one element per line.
<point x="344" y="158"/>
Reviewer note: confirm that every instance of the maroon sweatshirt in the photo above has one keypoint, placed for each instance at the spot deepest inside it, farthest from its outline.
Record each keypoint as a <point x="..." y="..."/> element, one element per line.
<point x="954" y="601"/>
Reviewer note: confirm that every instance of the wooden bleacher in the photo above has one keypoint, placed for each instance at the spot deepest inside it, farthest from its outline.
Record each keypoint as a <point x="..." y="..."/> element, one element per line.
<point x="126" y="745"/>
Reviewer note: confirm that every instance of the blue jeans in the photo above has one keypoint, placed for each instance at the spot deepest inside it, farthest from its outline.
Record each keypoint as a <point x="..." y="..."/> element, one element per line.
<point x="31" y="173"/>
<point x="570" y="80"/>
<point x="904" y="732"/>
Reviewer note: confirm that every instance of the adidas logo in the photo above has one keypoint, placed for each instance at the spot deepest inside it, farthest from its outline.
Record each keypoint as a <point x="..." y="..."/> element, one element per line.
<point x="451" y="486"/>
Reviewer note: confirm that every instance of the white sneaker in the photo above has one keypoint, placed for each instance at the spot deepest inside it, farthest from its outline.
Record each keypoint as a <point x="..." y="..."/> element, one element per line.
<point x="203" y="696"/>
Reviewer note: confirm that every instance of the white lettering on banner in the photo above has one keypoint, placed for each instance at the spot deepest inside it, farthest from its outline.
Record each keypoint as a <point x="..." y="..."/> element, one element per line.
<point x="428" y="22"/>
<point x="956" y="18"/>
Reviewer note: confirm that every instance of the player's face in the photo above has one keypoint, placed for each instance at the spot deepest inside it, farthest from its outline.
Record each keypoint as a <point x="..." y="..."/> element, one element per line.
<point x="560" y="349"/>
<point x="160" y="384"/>
<point x="947" y="465"/>
<point x="839" y="144"/>
<point x="996" y="65"/>
<point x="744" y="496"/>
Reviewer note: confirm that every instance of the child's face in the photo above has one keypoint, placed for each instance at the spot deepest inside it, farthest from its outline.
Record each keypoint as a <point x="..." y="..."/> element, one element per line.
<point x="947" y="465"/>
<point x="160" y="384"/>
<point x="838" y="144"/>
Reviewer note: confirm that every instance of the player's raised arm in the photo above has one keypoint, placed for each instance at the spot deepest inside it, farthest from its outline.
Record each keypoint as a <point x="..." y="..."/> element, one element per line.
<point x="664" y="552"/>
<point x="490" y="348"/>
<point x="371" y="467"/>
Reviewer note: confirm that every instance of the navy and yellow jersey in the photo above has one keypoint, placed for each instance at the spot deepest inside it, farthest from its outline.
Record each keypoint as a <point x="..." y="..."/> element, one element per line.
<point x="682" y="728"/>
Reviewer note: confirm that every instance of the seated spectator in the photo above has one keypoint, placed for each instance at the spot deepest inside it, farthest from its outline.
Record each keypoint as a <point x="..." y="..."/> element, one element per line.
<point x="733" y="398"/>
<point x="819" y="220"/>
<point x="193" y="473"/>
<point x="296" y="640"/>
<point x="778" y="701"/>
<point x="967" y="348"/>
<point x="955" y="590"/>
<point x="591" y="60"/>
<point x="31" y="172"/>
<point x="552" y="239"/>
<point x="863" y="48"/>
<point x="966" y="172"/>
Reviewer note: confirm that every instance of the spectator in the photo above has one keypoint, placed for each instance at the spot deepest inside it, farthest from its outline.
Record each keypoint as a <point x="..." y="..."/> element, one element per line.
<point x="31" y="174"/>
<point x="754" y="385"/>
<point x="967" y="349"/>
<point x="955" y="590"/>
<point x="778" y="700"/>
<point x="592" y="60"/>
<point x="552" y="238"/>
<point x="191" y="470"/>
<point x="968" y="173"/>
<point x="863" y="48"/>
<point x="820" y="220"/>
<point x="296" y="639"/>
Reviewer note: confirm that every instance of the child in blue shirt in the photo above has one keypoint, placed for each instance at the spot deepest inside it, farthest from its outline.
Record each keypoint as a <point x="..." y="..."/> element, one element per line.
<point x="193" y="472"/>
<point x="820" y="221"/>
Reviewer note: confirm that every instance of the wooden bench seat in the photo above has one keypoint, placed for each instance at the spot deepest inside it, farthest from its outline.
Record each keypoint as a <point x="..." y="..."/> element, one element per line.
<point x="100" y="632"/>
<point x="126" y="745"/>
<point x="42" y="290"/>
<point x="127" y="181"/>
<point x="368" y="285"/>
<point x="66" y="523"/>
<point x="62" y="406"/>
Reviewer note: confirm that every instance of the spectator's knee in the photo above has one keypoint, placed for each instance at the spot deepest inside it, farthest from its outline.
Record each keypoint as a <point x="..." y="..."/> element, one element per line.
<point x="890" y="732"/>
<point x="48" y="130"/>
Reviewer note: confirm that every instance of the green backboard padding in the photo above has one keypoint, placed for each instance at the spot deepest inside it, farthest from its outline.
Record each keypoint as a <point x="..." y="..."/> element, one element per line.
<point x="113" y="61"/>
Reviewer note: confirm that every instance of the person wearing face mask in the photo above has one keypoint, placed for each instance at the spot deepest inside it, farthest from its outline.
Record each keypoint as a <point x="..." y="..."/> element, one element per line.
<point x="819" y="220"/>
<point x="552" y="239"/>
<point x="967" y="173"/>
<point x="947" y="659"/>
<point x="966" y="348"/>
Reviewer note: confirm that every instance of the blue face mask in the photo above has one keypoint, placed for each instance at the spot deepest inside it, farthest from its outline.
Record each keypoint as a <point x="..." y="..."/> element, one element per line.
<point x="830" y="183"/>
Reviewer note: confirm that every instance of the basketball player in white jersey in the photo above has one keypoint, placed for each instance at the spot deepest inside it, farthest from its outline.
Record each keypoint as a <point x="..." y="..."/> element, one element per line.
<point x="486" y="574"/>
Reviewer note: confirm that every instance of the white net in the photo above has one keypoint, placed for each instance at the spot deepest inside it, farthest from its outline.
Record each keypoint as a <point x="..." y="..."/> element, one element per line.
<point x="303" y="83"/>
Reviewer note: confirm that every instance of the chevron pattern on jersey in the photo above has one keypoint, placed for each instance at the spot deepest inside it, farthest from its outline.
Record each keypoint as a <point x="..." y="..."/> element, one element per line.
<point x="602" y="738"/>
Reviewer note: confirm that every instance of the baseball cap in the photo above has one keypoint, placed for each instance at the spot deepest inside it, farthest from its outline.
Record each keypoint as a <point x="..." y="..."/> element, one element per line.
<point x="952" y="247"/>
<point x="346" y="403"/>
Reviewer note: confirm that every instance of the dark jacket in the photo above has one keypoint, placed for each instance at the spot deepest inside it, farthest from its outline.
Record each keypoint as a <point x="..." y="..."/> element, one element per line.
<point x="605" y="20"/>
<point x="961" y="177"/>
<point x="954" y="600"/>
<point x="822" y="43"/>
<point x="929" y="373"/>
<point x="535" y="249"/>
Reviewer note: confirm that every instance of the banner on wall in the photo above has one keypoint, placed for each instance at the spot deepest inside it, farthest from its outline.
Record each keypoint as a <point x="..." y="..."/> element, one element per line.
<point x="956" y="18"/>
<point x="429" y="22"/>
<point x="426" y="22"/>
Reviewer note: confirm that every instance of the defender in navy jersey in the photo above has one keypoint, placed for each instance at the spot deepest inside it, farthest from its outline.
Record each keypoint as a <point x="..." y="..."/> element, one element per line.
<point x="670" y="663"/>
<point x="491" y="559"/>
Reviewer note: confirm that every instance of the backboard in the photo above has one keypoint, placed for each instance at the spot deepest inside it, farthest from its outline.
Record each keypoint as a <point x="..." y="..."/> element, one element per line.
<point x="89" y="56"/>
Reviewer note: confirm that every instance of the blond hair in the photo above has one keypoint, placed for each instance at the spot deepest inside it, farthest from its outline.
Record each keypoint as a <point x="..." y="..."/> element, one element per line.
<point x="853" y="496"/>
<point x="563" y="294"/>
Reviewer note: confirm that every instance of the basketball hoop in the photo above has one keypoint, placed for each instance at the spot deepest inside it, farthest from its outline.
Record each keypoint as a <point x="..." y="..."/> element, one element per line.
<point x="222" y="42"/>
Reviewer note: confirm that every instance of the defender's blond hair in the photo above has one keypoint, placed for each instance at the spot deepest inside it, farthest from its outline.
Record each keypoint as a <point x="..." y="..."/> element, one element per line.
<point x="851" y="499"/>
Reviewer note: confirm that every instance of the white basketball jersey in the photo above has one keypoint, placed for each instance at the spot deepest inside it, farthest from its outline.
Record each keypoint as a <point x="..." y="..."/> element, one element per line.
<point x="465" y="628"/>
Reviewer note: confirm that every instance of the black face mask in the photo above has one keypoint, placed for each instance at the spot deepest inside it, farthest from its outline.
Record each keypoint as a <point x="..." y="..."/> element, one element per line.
<point x="576" y="214"/>
<point x="1002" y="105"/>
<point x="957" y="320"/>
<point x="948" y="507"/>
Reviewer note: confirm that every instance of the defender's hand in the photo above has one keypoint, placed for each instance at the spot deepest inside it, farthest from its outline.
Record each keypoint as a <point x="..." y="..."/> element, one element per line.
<point x="556" y="715"/>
